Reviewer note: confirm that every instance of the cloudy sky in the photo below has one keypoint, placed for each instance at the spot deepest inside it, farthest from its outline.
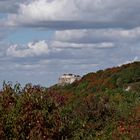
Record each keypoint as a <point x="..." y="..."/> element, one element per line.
<point x="42" y="39"/>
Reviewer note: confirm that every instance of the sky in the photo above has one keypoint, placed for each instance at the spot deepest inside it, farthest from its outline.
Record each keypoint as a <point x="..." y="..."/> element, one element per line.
<point x="42" y="39"/>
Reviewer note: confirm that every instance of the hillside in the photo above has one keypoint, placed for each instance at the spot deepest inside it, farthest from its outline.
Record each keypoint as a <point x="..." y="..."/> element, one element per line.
<point x="103" y="106"/>
<point x="112" y="78"/>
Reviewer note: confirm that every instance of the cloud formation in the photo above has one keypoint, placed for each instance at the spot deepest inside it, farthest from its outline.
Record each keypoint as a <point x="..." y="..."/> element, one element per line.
<point x="68" y="45"/>
<point x="72" y="14"/>
<point x="10" y="6"/>
<point x="33" y="49"/>
<point x="99" y="35"/>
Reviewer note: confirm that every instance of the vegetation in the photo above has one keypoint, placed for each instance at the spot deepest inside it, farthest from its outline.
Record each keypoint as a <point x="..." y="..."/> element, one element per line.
<point x="103" y="106"/>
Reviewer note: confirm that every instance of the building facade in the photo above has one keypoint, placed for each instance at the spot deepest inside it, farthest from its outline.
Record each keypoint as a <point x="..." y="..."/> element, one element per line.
<point x="68" y="79"/>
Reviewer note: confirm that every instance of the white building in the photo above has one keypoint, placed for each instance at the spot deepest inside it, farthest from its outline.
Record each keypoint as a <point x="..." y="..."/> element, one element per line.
<point x="68" y="79"/>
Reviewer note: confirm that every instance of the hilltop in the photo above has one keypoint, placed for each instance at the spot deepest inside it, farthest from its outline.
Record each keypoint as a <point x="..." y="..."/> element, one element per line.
<point x="122" y="77"/>
<point x="104" y="105"/>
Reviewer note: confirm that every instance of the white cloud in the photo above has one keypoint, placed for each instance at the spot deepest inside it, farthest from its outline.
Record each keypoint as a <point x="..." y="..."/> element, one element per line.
<point x="33" y="49"/>
<point x="78" y="14"/>
<point x="99" y="35"/>
<point x="68" y="45"/>
<point x="42" y="10"/>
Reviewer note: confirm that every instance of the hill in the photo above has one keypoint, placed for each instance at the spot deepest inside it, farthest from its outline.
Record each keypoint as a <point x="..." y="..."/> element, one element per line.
<point x="104" y="105"/>
<point x="127" y="75"/>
